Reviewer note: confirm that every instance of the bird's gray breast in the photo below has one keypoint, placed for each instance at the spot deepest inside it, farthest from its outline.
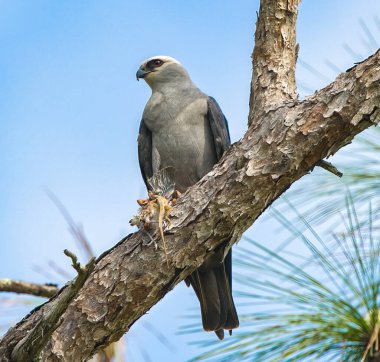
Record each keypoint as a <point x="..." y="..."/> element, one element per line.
<point x="181" y="137"/>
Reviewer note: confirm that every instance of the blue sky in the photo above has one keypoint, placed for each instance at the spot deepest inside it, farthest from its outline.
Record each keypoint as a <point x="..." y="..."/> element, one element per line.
<point x="70" y="108"/>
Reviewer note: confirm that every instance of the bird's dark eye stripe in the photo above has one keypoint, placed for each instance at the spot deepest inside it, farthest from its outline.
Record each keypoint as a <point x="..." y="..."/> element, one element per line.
<point x="154" y="63"/>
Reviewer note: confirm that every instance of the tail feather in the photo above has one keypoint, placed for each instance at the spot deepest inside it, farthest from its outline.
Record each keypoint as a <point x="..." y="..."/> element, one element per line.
<point x="232" y="321"/>
<point x="213" y="289"/>
<point x="212" y="306"/>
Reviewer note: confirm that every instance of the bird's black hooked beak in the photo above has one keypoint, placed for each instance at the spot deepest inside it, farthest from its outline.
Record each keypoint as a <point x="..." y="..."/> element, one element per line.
<point x="141" y="73"/>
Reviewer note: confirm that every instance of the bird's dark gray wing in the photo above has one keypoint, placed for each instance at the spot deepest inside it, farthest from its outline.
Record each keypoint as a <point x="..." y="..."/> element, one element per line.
<point x="145" y="153"/>
<point x="219" y="127"/>
<point x="212" y="282"/>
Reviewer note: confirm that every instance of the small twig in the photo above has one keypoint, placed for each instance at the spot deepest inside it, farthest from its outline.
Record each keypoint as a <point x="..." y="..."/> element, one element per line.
<point x="329" y="167"/>
<point x="151" y="239"/>
<point x="374" y="340"/>
<point x="30" y="347"/>
<point x="75" y="264"/>
<point x="20" y="287"/>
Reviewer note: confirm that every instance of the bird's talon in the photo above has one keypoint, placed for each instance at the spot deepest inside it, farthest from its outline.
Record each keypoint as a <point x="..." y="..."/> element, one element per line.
<point x="176" y="194"/>
<point x="142" y="202"/>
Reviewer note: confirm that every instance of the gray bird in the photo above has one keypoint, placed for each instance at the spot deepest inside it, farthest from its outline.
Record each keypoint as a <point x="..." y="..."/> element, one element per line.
<point x="185" y="130"/>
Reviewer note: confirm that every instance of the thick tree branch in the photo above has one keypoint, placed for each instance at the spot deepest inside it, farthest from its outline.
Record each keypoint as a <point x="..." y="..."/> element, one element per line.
<point x="274" y="57"/>
<point x="20" y="287"/>
<point x="28" y="349"/>
<point x="283" y="143"/>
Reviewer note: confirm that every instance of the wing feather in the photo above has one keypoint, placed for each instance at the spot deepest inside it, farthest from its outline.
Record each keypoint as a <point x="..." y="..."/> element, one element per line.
<point x="144" y="142"/>
<point x="219" y="127"/>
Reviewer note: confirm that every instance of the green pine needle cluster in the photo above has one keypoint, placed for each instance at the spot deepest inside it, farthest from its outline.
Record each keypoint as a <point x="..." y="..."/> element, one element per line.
<point x="319" y="307"/>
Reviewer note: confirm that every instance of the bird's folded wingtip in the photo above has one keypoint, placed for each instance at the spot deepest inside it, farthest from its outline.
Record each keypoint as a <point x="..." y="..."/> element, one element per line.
<point x="220" y="334"/>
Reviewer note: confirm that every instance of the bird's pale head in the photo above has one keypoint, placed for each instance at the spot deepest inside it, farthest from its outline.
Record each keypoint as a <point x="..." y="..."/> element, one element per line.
<point x="160" y="70"/>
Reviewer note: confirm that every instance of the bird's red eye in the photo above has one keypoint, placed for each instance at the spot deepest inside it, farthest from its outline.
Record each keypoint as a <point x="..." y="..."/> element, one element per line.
<point x="154" y="63"/>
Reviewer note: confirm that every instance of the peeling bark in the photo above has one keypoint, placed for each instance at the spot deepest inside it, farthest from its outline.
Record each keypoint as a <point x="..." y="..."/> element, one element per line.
<point x="281" y="146"/>
<point x="274" y="57"/>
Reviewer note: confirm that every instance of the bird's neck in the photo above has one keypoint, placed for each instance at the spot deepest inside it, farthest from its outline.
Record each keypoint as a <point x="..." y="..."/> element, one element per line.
<point x="176" y="85"/>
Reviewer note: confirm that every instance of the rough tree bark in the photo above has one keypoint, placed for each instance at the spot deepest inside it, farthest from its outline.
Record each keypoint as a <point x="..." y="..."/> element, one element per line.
<point x="29" y="348"/>
<point x="274" y="57"/>
<point x="283" y="144"/>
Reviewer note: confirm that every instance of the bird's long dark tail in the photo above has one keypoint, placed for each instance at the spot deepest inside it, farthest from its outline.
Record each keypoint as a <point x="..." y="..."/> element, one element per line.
<point x="212" y="284"/>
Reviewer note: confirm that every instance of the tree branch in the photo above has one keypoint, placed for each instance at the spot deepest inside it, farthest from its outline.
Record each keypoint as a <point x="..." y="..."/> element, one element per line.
<point x="274" y="57"/>
<point x="20" y="287"/>
<point x="328" y="166"/>
<point x="281" y="146"/>
<point x="29" y="347"/>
